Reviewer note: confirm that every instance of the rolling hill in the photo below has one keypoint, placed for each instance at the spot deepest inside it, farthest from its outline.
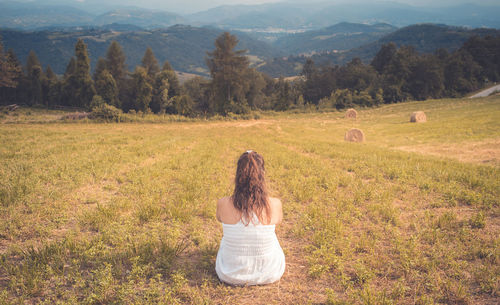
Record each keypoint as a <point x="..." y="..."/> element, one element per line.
<point x="139" y="17"/>
<point x="342" y="36"/>
<point x="184" y="47"/>
<point x="426" y="38"/>
<point x="316" y="15"/>
<point x="32" y="15"/>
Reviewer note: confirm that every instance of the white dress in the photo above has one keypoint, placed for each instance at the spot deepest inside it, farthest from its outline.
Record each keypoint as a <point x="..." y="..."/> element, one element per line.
<point x="249" y="255"/>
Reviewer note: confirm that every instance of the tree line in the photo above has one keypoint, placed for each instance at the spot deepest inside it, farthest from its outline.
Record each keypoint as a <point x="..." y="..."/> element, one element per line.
<point x="394" y="75"/>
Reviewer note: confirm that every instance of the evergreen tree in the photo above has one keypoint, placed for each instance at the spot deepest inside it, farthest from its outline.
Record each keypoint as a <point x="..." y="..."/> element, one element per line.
<point x="35" y="78"/>
<point x="150" y="63"/>
<point x="227" y="69"/>
<point x="79" y="88"/>
<point x="283" y="95"/>
<point x="115" y="62"/>
<point x="173" y="81"/>
<point x="10" y="69"/>
<point x="70" y="68"/>
<point x="167" y="66"/>
<point x="100" y="66"/>
<point x="255" y="83"/>
<point x="51" y="88"/>
<point x="183" y="105"/>
<point x="142" y="89"/>
<point x="49" y="73"/>
<point x="106" y="88"/>
<point x="48" y="82"/>
<point x="197" y="89"/>
<point x="31" y="62"/>
<point x="161" y="90"/>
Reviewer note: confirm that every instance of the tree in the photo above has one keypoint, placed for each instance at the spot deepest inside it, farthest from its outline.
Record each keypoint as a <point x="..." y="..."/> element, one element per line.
<point x="227" y="69"/>
<point x="115" y="62"/>
<point x="461" y="74"/>
<point x="11" y="77"/>
<point x="150" y="63"/>
<point x="197" y="89"/>
<point x="31" y="62"/>
<point x="255" y="83"/>
<point x="485" y="52"/>
<point x="167" y="66"/>
<point x="100" y="66"/>
<point x="79" y="87"/>
<point x="283" y="98"/>
<point x="9" y="70"/>
<point x="34" y="79"/>
<point x="161" y="88"/>
<point x="183" y="105"/>
<point x="142" y="89"/>
<point x="384" y="56"/>
<point x="70" y="68"/>
<point x="426" y="78"/>
<point x="106" y="88"/>
<point x="51" y="88"/>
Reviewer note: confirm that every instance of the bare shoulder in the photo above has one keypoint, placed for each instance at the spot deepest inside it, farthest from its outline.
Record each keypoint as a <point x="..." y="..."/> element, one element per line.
<point x="275" y="202"/>
<point x="224" y="201"/>
<point x="276" y="210"/>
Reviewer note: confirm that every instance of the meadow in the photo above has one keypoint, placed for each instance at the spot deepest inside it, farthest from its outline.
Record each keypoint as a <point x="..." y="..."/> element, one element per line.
<point x="124" y="213"/>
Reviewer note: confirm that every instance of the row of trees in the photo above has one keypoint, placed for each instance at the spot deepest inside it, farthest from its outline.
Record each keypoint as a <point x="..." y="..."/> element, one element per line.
<point x="394" y="75"/>
<point x="400" y="74"/>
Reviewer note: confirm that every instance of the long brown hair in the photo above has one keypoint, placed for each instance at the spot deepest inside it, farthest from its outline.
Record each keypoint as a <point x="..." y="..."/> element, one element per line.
<point x="250" y="192"/>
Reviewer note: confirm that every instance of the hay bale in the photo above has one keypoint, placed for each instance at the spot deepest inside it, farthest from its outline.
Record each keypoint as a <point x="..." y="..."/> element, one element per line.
<point x="354" y="135"/>
<point x="351" y="114"/>
<point x="418" y="117"/>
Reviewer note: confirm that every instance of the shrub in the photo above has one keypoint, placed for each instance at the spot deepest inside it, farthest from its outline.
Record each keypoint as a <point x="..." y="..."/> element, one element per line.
<point x="106" y="112"/>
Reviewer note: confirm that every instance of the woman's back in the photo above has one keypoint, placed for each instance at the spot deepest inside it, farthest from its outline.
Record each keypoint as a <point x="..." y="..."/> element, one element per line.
<point x="249" y="252"/>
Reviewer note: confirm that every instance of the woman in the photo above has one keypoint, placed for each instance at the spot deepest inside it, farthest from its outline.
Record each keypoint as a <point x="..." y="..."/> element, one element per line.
<point x="249" y="252"/>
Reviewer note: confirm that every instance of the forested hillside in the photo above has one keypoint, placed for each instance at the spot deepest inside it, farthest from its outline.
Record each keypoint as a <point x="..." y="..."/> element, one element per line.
<point x="184" y="46"/>
<point x="396" y="74"/>
<point x="340" y="37"/>
<point x="425" y="38"/>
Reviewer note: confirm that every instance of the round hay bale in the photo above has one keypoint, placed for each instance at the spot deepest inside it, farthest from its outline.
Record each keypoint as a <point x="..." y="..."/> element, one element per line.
<point x="351" y="114"/>
<point x="418" y="117"/>
<point x="354" y="135"/>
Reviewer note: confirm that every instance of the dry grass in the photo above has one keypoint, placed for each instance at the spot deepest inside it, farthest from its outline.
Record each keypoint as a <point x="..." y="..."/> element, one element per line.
<point x="124" y="213"/>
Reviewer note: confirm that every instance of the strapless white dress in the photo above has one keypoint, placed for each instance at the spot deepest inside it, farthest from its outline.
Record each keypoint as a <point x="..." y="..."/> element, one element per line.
<point x="249" y="255"/>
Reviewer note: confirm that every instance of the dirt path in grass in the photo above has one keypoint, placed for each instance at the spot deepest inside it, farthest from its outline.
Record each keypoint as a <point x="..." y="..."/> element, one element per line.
<point x="487" y="92"/>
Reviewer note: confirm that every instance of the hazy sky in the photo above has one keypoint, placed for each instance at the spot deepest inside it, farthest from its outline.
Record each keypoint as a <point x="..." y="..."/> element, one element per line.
<point x="190" y="6"/>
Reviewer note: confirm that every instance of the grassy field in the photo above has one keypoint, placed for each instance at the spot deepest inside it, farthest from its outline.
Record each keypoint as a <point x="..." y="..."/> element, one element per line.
<point x="125" y="213"/>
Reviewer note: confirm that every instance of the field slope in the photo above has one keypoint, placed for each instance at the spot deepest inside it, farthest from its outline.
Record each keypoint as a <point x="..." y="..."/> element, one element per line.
<point x="125" y="213"/>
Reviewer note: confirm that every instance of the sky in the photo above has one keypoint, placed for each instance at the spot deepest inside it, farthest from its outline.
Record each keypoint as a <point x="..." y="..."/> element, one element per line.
<point x="191" y="6"/>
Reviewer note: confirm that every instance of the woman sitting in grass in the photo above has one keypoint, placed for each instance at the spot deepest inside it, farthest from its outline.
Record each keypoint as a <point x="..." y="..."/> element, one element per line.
<point x="249" y="252"/>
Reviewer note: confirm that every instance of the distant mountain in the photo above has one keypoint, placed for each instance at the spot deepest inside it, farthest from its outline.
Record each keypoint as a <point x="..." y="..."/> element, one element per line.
<point x="32" y="15"/>
<point x="139" y="17"/>
<point x="281" y="17"/>
<point x="323" y="14"/>
<point x="340" y="37"/>
<point x="425" y="38"/>
<point x="184" y="47"/>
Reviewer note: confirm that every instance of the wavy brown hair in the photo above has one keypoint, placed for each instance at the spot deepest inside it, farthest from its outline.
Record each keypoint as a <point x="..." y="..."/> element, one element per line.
<point x="250" y="191"/>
